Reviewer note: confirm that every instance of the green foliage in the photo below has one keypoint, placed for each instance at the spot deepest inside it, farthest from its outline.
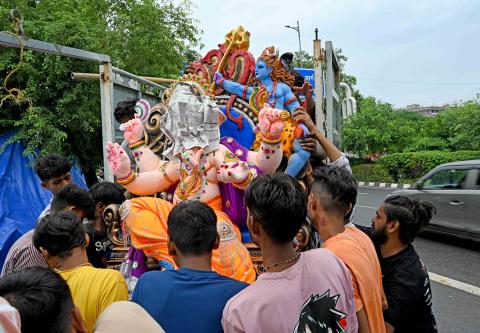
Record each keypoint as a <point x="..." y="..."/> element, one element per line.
<point x="371" y="172"/>
<point x="458" y="126"/>
<point x="366" y="131"/>
<point x="378" y="128"/>
<point x="427" y="143"/>
<point x="302" y="59"/>
<point x="413" y="165"/>
<point x="149" y="37"/>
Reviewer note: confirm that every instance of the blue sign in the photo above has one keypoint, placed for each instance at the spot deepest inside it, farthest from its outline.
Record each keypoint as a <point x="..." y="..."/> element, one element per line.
<point x="308" y="74"/>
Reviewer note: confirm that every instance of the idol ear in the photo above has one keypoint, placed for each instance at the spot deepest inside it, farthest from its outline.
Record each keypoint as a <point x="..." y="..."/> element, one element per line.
<point x="221" y="117"/>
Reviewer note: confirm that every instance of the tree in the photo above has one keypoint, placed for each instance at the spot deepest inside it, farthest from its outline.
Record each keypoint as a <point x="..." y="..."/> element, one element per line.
<point x="377" y="128"/>
<point x="150" y="37"/>
<point x="365" y="131"/>
<point x="458" y="126"/>
<point x="302" y="59"/>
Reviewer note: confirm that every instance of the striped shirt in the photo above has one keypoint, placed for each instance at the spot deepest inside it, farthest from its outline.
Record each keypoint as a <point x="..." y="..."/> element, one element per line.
<point x="23" y="254"/>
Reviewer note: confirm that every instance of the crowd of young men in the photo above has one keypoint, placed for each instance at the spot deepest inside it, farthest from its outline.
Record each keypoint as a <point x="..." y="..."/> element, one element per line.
<point x="361" y="279"/>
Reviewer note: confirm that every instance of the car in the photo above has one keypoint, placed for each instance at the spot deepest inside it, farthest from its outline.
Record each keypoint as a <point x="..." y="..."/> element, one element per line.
<point x="454" y="190"/>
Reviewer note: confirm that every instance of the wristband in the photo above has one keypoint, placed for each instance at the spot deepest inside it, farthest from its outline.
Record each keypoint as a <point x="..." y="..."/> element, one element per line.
<point x="127" y="179"/>
<point x="136" y="144"/>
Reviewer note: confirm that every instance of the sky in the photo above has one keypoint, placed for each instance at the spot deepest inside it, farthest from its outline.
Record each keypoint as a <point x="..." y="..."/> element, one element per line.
<point x="402" y="52"/>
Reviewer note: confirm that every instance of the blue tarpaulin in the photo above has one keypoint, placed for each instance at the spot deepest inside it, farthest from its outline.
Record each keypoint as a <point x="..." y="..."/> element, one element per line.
<point x="22" y="197"/>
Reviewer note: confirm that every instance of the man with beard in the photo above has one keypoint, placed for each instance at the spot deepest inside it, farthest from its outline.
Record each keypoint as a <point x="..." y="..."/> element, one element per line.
<point x="332" y="197"/>
<point x="405" y="279"/>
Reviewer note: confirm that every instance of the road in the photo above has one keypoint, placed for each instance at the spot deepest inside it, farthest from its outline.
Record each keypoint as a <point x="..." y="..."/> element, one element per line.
<point x="455" y="310"/>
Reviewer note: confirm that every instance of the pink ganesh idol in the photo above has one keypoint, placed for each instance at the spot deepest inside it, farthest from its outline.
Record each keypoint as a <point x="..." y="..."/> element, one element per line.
<point x="199" y="166"/>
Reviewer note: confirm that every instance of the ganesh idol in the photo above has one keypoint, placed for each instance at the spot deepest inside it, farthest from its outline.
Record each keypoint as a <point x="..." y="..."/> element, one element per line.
<point x="272" y="85"/>
<point x="199" y="166"/>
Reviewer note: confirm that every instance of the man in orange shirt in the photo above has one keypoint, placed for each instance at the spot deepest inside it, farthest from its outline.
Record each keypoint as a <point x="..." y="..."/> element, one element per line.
<point x="330" y="203"/>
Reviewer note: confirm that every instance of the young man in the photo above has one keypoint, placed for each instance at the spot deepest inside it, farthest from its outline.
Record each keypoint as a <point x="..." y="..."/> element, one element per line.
<point x="43" y="300"/>
<point x="23" y="253"/>
<point x="330" y="203"/>
<point x="100" y="247"/>
<point x="54" y="173"/>
<point x="192" y="298"/>
<point x="295" y="292"/>
<point x="405" y="278"/>
<point x="62" y="241"/>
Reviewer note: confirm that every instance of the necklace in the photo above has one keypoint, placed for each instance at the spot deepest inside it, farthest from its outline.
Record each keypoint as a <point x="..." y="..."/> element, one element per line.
<point x="192" y="183"/>
<point x="263" y="269"/>
<point x="274" y="94"/>
<point x="63" y="270"/>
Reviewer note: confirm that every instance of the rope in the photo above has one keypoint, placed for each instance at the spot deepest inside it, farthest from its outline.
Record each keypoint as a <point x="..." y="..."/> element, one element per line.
<point x="16" y="94"/>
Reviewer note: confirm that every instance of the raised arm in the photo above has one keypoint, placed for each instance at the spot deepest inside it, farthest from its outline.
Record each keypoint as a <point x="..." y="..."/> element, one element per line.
<point x="291" y="102"/>
<point x="145" y="159"/>
<point x="233" y="87"/>
<point x="143" y="183"/>
<point x="335" y="156"/>
<point x="239" y="173"/>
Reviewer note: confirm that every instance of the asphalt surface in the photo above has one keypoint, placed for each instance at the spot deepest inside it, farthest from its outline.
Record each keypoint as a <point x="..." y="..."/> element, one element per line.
<point x="455" y="310"/>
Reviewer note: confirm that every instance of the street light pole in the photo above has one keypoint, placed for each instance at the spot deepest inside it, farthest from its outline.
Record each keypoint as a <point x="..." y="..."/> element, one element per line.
<point x="297" y="29"/>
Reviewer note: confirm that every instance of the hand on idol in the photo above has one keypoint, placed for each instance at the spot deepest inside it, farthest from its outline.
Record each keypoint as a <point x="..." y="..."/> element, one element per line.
<point x="301" y="116"/>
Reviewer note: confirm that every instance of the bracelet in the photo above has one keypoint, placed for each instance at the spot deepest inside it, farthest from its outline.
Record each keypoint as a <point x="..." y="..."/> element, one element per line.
<point x="127" y="179"/>
<point x="244" y="93"/>
<point x="136" y="144"/>
<point x="220" y="83"/>
<point x="271" y="141"/>
<point x="247" y="180"/>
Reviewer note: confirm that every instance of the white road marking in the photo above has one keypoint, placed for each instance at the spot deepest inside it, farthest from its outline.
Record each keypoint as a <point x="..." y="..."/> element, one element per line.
<point x="365" y="207"/>
<point x="455" y="284"/>
<point x="363" y="193"/>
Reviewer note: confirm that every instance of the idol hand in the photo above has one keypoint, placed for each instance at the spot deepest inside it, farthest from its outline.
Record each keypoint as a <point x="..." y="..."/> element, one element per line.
<point x="133" y="130"/>
<point x="269" y="122"/>
<point x="117" y="159"/>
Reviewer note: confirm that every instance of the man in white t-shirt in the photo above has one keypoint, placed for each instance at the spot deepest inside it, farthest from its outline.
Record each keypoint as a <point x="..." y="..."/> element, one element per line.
<point x="295" y="292"/>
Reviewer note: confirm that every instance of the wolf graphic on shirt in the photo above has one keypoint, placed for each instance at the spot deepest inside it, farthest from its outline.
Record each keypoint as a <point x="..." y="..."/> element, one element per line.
<point x="319" y="315"/>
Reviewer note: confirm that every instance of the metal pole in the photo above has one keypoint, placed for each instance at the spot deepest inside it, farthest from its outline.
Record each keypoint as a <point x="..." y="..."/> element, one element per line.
<point x="329" y="88"/>
<point x="300" y="44"/>
<point x="41" y="46"/>
<point x="95" y="77"/>
<point x="108" y="132"/>
<point x="317" y="66"/>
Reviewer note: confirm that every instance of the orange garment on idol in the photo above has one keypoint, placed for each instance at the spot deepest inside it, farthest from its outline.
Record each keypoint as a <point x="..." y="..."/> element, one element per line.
<point x="357" y="252"/>
<point x="147" y="226"/>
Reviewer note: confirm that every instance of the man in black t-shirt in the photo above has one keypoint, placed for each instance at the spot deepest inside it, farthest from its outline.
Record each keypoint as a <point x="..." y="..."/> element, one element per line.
<point x="100" y="247"/>
<point x="405" y="278"/>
